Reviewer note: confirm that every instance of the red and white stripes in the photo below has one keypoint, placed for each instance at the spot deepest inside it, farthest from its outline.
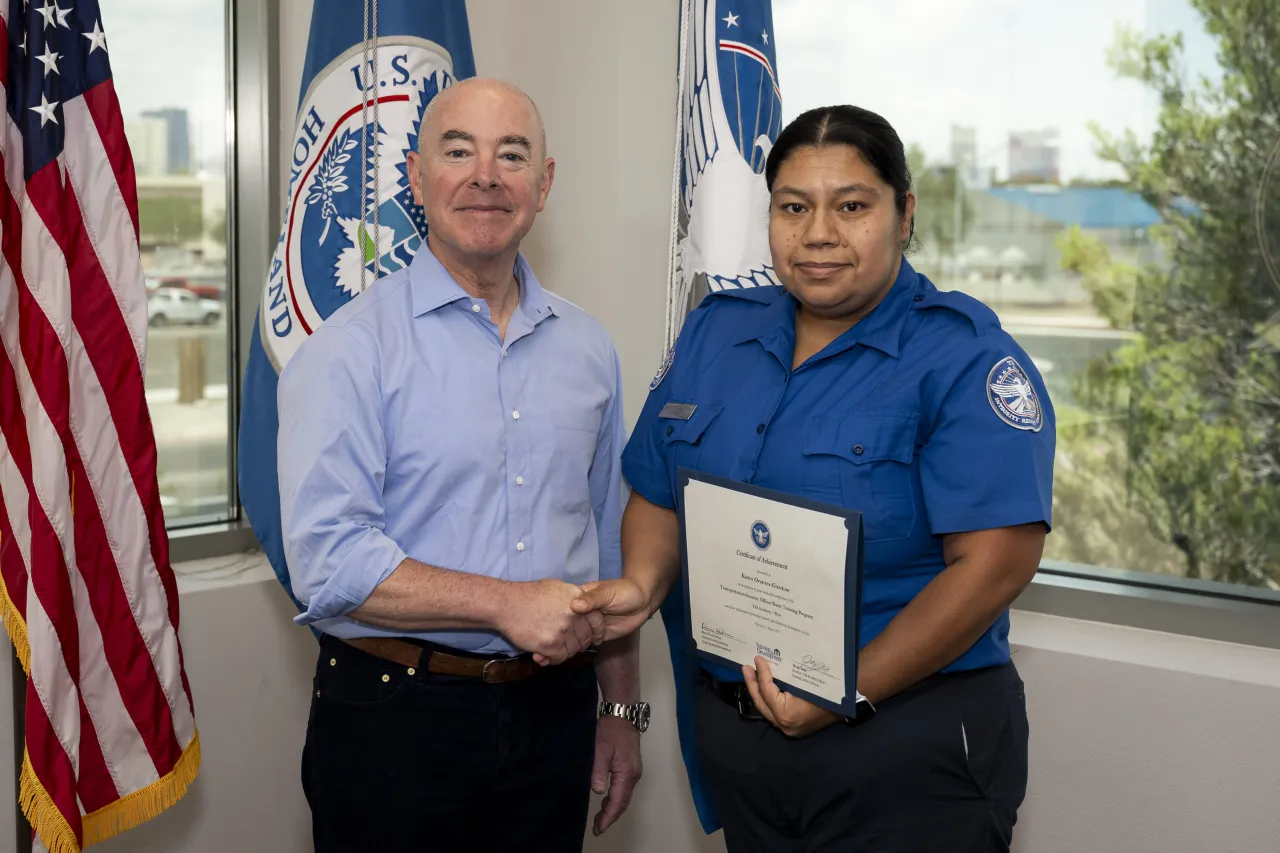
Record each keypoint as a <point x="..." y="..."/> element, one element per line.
<point x="89" y="594"/>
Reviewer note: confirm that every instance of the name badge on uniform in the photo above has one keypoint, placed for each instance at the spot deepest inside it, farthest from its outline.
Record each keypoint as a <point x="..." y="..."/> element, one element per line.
<point x="679" y="411"/>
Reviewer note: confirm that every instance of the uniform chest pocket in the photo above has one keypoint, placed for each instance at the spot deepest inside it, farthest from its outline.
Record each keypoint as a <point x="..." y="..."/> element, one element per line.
<point x="682" y="437"/>
<point x="868" y="460"/>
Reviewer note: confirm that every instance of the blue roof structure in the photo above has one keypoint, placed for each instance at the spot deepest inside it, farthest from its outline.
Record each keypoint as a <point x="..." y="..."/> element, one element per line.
<point x="1088" y="207"/>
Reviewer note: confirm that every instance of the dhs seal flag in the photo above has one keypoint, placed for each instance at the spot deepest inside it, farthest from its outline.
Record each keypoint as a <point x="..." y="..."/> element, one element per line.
<point x="372" y="68"/>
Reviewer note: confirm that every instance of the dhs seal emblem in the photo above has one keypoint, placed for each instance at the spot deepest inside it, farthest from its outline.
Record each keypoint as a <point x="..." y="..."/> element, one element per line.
<point x="326" y="253"/>
<point x="1013" y="397"/>
<point x="761" y="536"/>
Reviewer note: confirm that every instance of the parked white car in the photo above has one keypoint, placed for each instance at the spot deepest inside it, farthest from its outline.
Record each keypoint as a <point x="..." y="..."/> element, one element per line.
<point x="169" y="305"/>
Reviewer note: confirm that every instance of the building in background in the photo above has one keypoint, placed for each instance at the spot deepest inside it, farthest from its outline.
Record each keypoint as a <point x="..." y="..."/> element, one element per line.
<point x="1034" y="156"/>
<point x="178" y="138"/>
<point x="964" y="145"/>
<point x="1024" y="223"/>
<point x="967" y="159"/>
<point x="149" y="143"/>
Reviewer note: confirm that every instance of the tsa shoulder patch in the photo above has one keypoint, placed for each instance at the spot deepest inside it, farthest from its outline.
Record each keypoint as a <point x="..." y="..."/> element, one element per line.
<point x="663" y="368"/>
<point x="1012" y="396"/>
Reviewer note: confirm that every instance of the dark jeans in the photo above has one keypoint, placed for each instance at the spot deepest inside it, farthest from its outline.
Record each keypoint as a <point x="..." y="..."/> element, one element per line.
<point x="941" y="767"/>
<point x="396" y="763"/>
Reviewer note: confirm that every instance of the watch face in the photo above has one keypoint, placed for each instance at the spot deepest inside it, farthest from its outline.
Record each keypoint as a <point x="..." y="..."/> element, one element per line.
<point x="642" y="717"/>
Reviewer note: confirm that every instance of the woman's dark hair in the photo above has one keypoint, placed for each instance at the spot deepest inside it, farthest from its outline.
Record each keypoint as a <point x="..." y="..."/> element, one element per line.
<point x="864" y="130"/>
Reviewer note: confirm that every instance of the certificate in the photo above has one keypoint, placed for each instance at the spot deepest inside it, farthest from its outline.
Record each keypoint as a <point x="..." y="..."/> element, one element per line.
<point x="771" y="575"/>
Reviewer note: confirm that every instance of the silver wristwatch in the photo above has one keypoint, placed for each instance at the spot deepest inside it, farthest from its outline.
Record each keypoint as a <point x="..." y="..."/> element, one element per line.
<point x="636" y="714"/>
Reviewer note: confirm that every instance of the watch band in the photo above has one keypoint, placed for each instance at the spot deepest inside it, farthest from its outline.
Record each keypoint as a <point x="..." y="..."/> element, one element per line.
<point x="637" y="714"/>
<point x="862" y="708"/>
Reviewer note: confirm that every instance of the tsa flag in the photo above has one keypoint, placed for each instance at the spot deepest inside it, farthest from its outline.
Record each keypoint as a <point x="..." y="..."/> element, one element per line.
<point x="730" y="114"/>
<point x="371" y="70"/>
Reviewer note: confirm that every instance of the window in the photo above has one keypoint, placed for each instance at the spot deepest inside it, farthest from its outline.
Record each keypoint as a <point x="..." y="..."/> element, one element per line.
<point x="169" y="63"/>
<point x="1105" y="176"/>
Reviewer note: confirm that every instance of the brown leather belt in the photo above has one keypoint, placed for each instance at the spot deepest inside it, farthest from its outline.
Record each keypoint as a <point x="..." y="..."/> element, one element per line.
<point x="493" y="671"/>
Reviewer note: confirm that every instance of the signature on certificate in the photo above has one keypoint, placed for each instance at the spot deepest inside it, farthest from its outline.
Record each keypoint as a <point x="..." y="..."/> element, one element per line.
<point x="809" y="664"/>
<point x="719" y="633"/>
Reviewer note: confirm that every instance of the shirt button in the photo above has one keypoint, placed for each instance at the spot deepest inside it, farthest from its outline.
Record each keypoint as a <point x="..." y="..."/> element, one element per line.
<point x="475" y="308"/>
<point x="918" y="298"/>
<point x="515" y="416"/>
<point x="519" y="481"/>
<point x="858" y="449"/>
<point x="759" y="429"/>
<point x="519" y="546"/>
<point x="670" y="430"/>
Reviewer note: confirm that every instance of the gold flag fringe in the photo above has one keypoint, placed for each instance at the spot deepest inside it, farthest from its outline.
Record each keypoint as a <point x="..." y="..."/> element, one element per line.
<point x="125" y="813"/>
<point x="16" y="628"/>
<point x="146" y="803"/>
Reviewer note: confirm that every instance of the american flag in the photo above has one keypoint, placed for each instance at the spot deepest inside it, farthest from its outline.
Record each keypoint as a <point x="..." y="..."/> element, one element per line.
<point x="88" y="595"/>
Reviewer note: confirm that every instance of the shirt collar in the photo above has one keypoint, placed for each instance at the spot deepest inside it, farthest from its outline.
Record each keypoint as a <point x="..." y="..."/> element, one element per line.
<point x="433" y="287"/>
<point x="774" y="327"/>
<point x="881" y="329"/>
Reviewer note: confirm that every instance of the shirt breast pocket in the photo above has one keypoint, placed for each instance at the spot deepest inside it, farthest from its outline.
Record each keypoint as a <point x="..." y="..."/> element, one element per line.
<point x="868" y="459"/>
<point x="574" y="438"/>
<point x="682" y="437"/>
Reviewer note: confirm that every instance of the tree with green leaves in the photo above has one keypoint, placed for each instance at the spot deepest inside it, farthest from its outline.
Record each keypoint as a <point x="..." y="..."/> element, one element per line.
<point x="1182" y="448"/>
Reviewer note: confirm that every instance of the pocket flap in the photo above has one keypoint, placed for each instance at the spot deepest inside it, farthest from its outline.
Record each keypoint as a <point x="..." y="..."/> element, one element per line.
<point x="688" y="430"/>
<point x="869" y="436"/>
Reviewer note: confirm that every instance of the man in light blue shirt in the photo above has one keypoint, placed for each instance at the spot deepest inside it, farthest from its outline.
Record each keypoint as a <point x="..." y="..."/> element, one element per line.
<point x="449" y="459"/>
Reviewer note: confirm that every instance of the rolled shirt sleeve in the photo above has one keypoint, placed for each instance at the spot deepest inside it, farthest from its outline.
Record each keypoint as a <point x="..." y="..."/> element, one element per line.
<point x="332" y="459"/>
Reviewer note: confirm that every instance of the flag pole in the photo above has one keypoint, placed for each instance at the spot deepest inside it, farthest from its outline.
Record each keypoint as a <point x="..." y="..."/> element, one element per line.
<point x="676" y="297"/>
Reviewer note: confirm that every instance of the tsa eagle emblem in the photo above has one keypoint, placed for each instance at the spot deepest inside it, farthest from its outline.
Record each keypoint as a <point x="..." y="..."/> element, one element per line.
<point x="1012" y="396"/>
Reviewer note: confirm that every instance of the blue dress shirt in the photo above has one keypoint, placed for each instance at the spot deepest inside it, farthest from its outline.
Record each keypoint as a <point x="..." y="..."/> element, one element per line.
<point x="925" y="416"/>
<point x="408" y="427"/>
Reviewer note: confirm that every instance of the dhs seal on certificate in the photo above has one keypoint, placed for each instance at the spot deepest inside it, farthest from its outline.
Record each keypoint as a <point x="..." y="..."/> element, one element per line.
<point x="770" y="575"/>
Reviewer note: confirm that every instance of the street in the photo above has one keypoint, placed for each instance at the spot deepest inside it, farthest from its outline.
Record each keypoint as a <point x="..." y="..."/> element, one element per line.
<point x="162" y="353"/>
<point x="191" y="438"/>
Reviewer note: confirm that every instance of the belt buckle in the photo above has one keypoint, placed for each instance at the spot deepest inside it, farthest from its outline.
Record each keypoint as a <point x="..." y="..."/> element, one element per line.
<point x="484" y="673"/>
<point x="746" y="706"/>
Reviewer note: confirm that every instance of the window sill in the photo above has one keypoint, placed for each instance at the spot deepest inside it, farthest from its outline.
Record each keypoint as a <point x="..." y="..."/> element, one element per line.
<point x="1203" y="609"/>
<point x="1210" y="611"/>
<point x="210" y="540"/>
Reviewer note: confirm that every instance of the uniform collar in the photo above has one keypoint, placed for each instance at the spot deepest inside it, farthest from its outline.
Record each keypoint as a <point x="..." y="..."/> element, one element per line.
<point x="775" y="326"/>
<point x="882" y="328"/>
<point x="433" y="287"/>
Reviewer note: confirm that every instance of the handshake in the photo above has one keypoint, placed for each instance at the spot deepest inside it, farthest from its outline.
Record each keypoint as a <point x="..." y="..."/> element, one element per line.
<point x="556" y="620"/>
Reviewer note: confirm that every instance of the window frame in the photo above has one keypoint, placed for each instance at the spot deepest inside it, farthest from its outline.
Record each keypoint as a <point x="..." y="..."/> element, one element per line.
<point x="253" y="208"/>
<point x="1194" y="608"/>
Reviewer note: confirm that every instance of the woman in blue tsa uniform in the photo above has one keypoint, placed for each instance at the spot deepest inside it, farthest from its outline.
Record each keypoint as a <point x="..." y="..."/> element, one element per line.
<point x="861" y="384"/>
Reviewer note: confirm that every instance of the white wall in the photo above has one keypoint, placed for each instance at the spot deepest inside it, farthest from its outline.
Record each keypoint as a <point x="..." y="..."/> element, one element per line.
<point x="1141" y="742"/>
